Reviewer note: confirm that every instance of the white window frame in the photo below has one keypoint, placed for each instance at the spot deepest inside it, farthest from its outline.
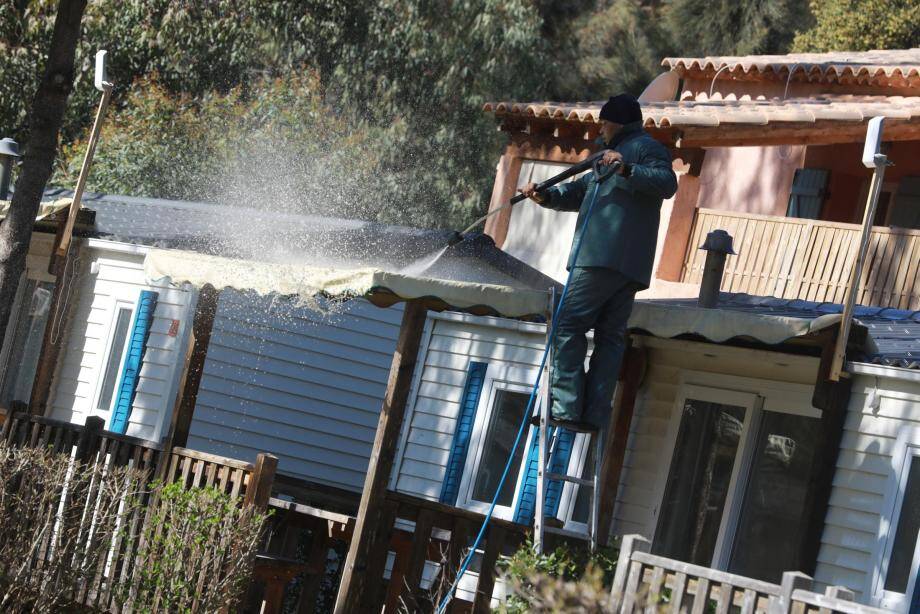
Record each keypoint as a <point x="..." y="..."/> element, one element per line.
<point x="907" y="446"/>
<point x="115" y="307"/>
<point x="498" y="377"/>
<point x="756" y="396"/>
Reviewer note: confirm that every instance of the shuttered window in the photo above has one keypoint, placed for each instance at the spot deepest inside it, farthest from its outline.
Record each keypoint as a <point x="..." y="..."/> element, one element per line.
<point x="808" y="191"/>
<point x="472" y="389"/>
<point x="134" y="348"/>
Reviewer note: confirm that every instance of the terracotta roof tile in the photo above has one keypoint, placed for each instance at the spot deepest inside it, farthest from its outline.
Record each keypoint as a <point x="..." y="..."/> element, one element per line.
<point x="731" y="112"/>
<point x="862" y="66"/>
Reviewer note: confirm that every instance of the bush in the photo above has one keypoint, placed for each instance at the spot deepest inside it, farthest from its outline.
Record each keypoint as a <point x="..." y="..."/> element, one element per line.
<point x="66" y="527"/>
<point x="196" y="554"/>
<point x="563" y="580"/>
<point x="49" y="545"/>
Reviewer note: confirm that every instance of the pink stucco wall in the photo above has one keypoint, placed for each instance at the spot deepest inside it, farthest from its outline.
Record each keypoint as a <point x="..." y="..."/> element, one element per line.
<point x="749" y="179"/>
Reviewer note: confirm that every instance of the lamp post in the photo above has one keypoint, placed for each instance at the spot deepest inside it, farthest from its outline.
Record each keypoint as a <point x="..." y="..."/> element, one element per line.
<point x="9" y="153"/>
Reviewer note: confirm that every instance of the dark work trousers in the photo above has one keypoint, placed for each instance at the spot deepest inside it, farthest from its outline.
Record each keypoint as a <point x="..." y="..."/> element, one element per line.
<point x="601" y="299"/>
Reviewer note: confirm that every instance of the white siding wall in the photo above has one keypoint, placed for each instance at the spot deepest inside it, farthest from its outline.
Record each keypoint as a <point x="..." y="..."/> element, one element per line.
<point x="647" y="453"/>
<point x="304" y="386"/>
<point x="429" y="429"/>
<point x="863" y="469"/>
<point x="80" y="366"/>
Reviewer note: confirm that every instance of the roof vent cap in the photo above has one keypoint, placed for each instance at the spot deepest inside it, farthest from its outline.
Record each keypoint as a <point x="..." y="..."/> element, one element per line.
<point x="718" y="241"/>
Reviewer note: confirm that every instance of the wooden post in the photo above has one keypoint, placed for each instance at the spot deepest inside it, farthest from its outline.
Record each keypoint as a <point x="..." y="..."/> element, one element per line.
<point x="634" y="362"/>
<point x="193" y="369"/>
<point x="791" y="581"/>
<point x="88" y="441"/>
<point x="630" y="544"/>
<point x="259" y="489"/>
<point x="368" y="526"/>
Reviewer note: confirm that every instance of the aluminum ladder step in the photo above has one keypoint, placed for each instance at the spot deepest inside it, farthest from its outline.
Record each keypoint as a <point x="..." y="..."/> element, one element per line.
<point x="567" y="533"/>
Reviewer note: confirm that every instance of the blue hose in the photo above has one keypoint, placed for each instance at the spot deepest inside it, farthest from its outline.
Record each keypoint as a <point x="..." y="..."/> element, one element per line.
<point x="600" y="177"/>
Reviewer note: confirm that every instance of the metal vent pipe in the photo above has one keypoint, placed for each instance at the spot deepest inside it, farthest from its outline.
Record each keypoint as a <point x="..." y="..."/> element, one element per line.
<point x="717" y="246"/>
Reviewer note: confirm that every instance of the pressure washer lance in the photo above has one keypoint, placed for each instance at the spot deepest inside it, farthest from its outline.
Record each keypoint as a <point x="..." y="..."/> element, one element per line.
<point x="591" y="161"/>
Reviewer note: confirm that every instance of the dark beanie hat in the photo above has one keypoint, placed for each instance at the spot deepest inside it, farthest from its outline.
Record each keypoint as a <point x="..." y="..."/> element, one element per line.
<point x="621" y="109"/>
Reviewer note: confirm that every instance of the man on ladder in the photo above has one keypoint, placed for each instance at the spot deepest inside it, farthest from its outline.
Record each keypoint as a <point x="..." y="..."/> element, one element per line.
<point x="615" y="262"/>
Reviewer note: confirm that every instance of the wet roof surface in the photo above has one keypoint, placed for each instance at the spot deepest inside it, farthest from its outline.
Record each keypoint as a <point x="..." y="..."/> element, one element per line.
<point x="271" y="236"/>
<point x="895" y="332"/>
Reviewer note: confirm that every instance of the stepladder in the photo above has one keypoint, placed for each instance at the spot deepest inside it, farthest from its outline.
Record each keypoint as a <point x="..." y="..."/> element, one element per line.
<point x="549" y="435"/>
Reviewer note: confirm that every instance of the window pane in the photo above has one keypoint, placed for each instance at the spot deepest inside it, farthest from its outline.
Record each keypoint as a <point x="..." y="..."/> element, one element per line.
<point x="905" y="538"/>
<point x="26" y="344"/>
<point x="701" y="470"/>
<point x="113" y="364"/>
<point x="504" y="423"/>
<point x="775" y="507"/>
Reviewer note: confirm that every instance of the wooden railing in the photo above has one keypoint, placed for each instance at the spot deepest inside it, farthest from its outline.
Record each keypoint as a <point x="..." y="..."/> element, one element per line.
<point x="441" y="535"/>
<point x="646" y="582"/>
<point x="809" y="259"/>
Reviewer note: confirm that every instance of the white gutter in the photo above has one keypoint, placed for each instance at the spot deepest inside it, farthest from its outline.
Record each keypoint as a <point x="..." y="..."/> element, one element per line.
<point x="117" y="246"/>
<point x="899" y="373"/>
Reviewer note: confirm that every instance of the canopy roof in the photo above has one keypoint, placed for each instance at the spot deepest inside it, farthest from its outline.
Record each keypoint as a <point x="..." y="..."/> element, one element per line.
<point x="383" y="288"/>
<point x="46" y="209"/>
<point x="727" y="122"/>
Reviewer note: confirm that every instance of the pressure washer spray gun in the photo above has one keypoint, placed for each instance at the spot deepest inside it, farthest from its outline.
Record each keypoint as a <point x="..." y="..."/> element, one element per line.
<point x="593" y="162"/>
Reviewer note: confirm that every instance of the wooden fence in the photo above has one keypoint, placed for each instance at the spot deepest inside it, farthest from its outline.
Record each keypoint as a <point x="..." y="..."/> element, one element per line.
<point x="441" y="535"/>
<point x="646" y="582"/>
<point x="809" y="259"/>
<point x="249" y="482"/>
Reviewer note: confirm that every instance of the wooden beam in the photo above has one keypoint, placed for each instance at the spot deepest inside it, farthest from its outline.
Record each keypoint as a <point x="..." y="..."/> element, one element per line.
<point x="193" y="368"/>
<point x="370" y="531"/>
<point x="820" y="133"/>
<point x="631" y="374"/>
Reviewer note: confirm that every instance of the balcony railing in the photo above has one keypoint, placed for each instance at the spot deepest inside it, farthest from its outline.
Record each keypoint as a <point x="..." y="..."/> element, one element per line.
<point x="809" y="259"/>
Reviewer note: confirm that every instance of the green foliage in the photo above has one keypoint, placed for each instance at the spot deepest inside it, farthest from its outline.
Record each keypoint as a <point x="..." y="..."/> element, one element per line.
<point x="861" y="25"/>
<point x="619" y="49"/>
<point x="563" y="580"/>
<point x="734" y="27"/>
<point x="197" y="552"/>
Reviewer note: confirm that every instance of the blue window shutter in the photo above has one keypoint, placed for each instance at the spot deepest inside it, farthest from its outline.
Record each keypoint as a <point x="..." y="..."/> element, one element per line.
<point x="527" y="501"/>
<point x="475" y="378"/>
<point x="134" y="354"/>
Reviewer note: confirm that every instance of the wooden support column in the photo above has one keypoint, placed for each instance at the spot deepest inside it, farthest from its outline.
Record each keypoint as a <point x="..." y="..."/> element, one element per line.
<point x="634" y="363"/>
<point x="193" y="368"/>
<point x="506" y="179"/>
<point x="680" y="227"/>
<point x="370" y="528"/>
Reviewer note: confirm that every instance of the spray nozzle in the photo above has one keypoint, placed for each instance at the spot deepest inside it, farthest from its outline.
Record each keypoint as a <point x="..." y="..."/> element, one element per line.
<point x="455" y="238"/>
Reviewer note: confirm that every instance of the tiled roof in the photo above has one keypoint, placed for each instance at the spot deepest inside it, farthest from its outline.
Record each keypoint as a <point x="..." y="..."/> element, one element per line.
<point x="709" y="114"/>
<point x="901" y="66"/>
<point x="895" y="333"/>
